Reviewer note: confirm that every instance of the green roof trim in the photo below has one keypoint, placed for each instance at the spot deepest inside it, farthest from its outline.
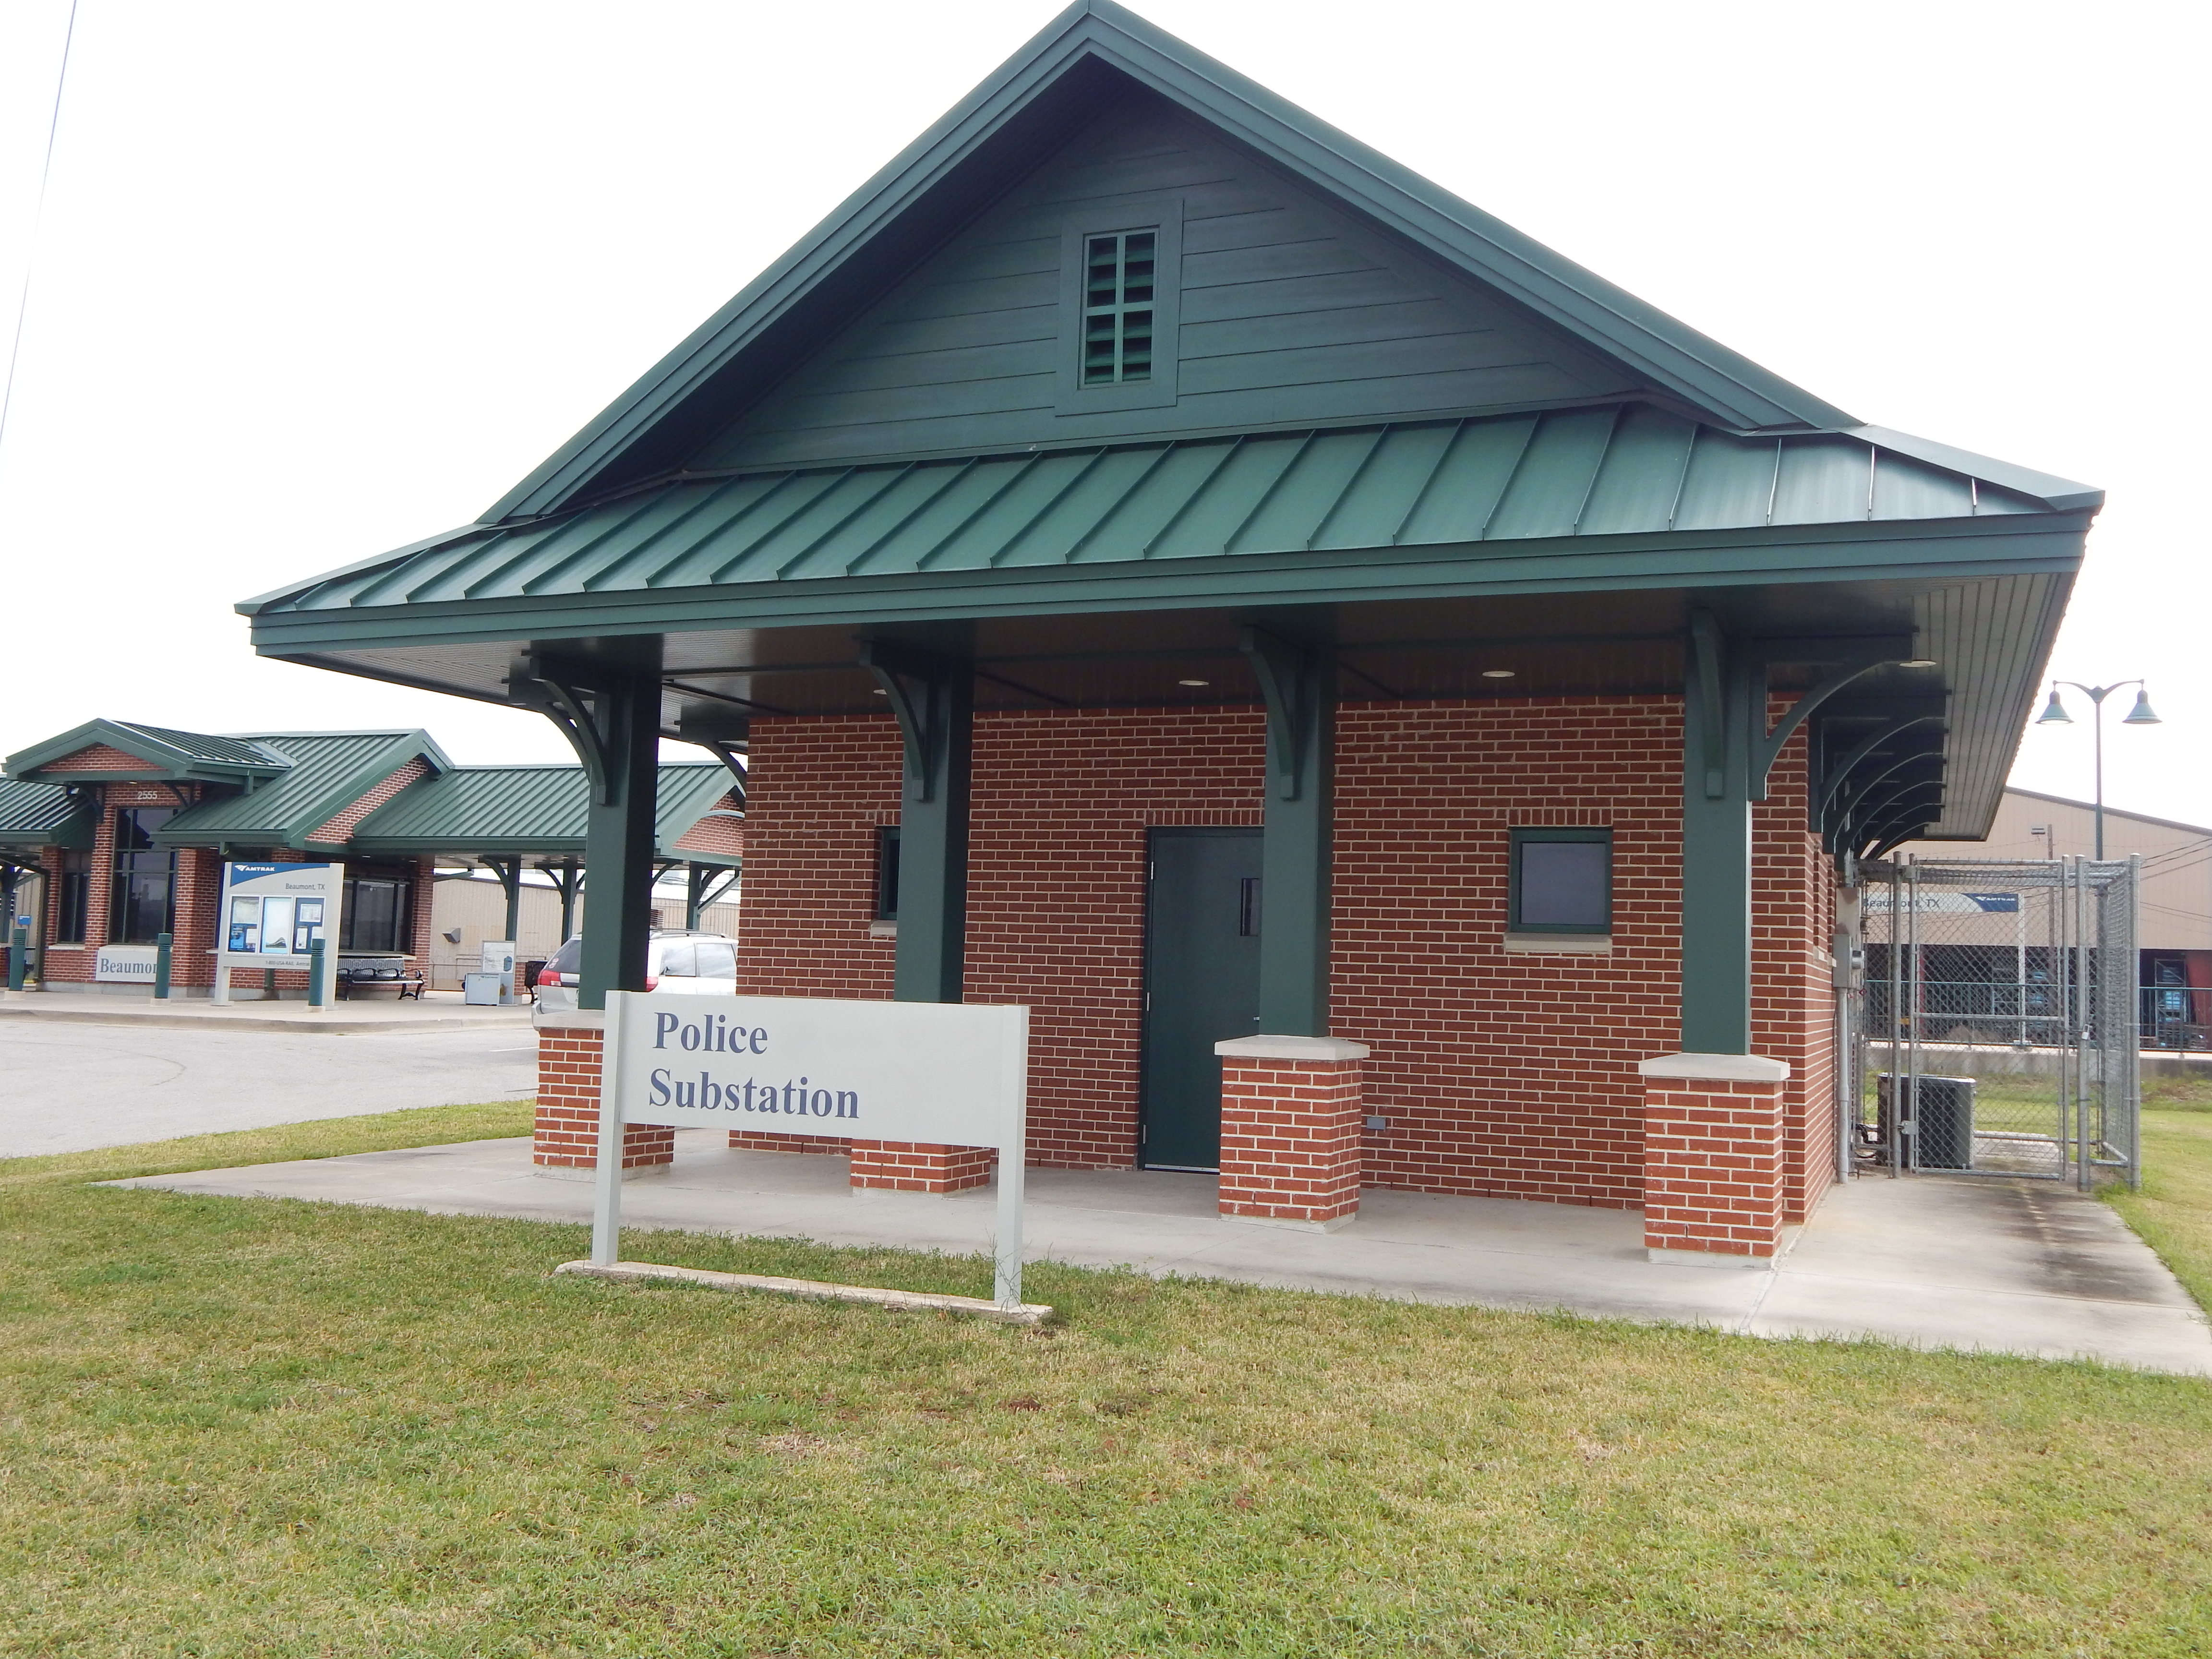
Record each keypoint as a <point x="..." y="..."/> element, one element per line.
<point x="171" y="756"/>
<point x="328" y="771"/>
<point x="500" y="810"/>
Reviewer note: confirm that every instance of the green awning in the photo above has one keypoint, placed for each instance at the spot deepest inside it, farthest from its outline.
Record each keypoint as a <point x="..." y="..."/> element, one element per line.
<point x="531" y="811"/>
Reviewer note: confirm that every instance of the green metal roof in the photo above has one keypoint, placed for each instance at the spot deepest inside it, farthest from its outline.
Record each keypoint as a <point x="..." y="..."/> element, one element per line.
<point x="328" y="771"/>
<point x="33" y="815"/>
<point x="529" y="809"/>
<point x="1623" y="470"/>
<point x="169" y="755"/>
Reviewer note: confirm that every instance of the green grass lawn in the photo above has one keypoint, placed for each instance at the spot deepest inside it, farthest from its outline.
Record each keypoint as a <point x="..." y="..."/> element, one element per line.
<point x="243" y="1427"/>
<point x="2173" y="1211"/>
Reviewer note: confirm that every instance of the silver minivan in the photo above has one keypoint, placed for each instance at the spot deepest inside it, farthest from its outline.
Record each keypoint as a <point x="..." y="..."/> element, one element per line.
<point x="683" y="963"/>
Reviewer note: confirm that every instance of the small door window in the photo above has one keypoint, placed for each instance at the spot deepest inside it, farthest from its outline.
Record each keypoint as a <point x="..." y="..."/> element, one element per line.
<point x="887" y="872"/>
<point x="1562" y="881"/>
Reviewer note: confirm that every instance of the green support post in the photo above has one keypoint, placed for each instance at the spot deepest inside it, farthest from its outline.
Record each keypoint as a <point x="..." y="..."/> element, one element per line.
<point x="314" y="972"/>
<point x="162" y="945"/>
<point x="19" y="947"/>
<point x="933" y="693"/>
<point x="1715" y="847"/>
<point x="1727" y="752"/>
<point x="606" y="701"/>
<point x="1298" y="684"/>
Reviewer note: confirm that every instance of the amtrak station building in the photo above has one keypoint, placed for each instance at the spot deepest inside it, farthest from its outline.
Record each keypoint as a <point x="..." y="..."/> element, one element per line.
<point x="1398" y="708"/>
<point x="114" y="834"/>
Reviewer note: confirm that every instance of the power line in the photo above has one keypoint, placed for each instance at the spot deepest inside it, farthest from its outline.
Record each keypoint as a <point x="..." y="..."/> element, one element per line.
<point x="38" y="217"/>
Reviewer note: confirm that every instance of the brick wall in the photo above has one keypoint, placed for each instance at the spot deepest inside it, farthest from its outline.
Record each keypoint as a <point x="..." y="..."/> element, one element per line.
<point x="1507" y="1075"/>
<point x="339" y="829"/>
<point x="1793" y="994"/>
<point x="714" y="833"/>
<point x="99" y="758"/>
<point x="907" y="1166"/>
<point x="1497" y="1073"/>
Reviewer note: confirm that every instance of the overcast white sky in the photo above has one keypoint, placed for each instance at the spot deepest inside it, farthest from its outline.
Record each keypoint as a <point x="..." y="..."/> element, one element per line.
<point x="317" y="280"/>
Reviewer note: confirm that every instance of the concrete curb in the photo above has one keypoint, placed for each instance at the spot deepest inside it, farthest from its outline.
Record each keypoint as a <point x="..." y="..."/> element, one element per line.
<point x="1025" y="1313"/>
<point x="253" y="1022"/>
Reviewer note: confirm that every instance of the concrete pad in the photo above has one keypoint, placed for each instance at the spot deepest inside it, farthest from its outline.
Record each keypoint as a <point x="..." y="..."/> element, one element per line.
<point x="2007" y="1267"/>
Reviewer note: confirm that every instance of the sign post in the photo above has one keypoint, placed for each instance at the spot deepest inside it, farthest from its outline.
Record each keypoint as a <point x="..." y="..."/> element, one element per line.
<point x="952" y="1073"/>
<point x="274" y="915"/>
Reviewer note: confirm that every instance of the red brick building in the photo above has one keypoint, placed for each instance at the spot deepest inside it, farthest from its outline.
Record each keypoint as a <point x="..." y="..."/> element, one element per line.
<point x="1394" y="706"/>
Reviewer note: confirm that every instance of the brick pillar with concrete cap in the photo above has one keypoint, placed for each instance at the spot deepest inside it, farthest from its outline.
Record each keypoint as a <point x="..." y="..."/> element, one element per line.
<point x="1289" y="1130"/>
<point x="567" y="1142"/>
<point x="1712" y="1158"/>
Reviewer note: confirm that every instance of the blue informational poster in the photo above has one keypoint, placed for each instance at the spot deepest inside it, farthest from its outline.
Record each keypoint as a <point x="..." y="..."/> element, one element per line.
<point x="272" y="915"/>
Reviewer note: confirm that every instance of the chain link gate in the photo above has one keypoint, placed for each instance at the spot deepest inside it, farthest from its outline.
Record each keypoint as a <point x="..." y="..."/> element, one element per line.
<point x="1989" y="1018"/>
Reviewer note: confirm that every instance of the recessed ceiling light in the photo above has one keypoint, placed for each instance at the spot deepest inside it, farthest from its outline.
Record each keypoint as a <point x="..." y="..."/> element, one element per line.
<point x="1193" y="681"/>
<point x="1497" y="673"/>
<point x="1918" y="662"/>
<point x="879" y="691"/>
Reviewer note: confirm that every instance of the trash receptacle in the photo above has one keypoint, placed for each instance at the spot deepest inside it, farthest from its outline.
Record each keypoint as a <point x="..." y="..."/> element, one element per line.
<point x="482" y="990"/>
<point x="1940" y="1133"/>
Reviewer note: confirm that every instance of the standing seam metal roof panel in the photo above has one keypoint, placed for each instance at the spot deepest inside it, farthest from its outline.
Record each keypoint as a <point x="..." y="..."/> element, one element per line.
<point x="529" y="809"/>
<point x="1606" y="470"/>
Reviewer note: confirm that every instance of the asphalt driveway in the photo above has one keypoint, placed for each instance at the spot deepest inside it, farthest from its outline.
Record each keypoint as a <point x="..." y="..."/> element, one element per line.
<point x="66" y="1088"/>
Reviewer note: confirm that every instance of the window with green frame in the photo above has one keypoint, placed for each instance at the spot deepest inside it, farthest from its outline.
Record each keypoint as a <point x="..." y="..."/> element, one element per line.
<point x="1561" y="881"/>
<point x="140" y="891"/>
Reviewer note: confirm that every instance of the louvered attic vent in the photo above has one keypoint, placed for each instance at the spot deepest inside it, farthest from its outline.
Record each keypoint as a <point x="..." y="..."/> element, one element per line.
<point x="1117" y="307"/>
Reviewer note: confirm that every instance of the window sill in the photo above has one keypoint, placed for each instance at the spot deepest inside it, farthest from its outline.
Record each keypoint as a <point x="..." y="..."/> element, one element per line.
<point x="883" y="930"/>
<point x="1559" y="945"/>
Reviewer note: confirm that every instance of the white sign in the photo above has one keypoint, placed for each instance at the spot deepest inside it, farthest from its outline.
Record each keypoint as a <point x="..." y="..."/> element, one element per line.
<point x="271" y="914"/>
<point x="127" y="964"/>
<point x="952" y="1073"/>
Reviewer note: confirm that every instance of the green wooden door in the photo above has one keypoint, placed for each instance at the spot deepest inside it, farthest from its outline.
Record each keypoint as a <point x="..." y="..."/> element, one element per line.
<point x="1201" y="984"/>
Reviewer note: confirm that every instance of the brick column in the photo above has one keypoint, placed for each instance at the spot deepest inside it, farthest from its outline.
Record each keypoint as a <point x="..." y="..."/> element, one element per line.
<point x="1289" y="1130"/>
<point x="910" y="1166"/>
<point x="1712" y="1158"/>
<point x="568" y="1136"/>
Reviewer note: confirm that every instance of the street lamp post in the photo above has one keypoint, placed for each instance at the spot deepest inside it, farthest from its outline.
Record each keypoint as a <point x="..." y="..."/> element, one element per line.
<point x="2054" y="714"/>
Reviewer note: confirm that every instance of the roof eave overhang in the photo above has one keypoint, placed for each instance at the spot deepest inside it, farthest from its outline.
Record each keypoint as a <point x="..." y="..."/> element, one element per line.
<point x="30" y="765"/>
<point x="468" y="847"/>
<point x="1882" y="550"/>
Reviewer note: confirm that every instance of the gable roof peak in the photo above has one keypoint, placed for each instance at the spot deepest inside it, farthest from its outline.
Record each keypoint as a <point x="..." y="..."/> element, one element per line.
<point x="1091" y="52"/>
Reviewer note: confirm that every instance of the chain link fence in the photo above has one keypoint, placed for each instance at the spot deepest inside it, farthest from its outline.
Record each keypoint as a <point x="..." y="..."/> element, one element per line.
<point x="1995" y="1019"/>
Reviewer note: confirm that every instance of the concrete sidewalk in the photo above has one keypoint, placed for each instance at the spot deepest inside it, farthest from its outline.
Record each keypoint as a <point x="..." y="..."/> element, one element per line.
<point x="2007" y="1267"/>
<point x="446" y="1014"/>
